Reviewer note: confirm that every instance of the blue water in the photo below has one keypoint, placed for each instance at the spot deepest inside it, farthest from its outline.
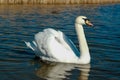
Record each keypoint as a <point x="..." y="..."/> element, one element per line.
<point x="21" y="22"/>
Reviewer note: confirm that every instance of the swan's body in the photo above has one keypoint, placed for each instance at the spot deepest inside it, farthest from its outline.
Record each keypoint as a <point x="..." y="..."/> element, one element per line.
<point x="52" y="45"/>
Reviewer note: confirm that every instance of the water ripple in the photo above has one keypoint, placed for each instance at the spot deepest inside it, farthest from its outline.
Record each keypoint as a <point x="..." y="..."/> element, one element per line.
<point x="19" y="23"/>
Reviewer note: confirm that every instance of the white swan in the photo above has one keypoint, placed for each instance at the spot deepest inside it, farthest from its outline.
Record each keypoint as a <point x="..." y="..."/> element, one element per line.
<point x="52" y="45"/>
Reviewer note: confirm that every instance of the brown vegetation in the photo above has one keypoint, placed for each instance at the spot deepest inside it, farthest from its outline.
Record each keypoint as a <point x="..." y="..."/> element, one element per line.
<point x="57" y="1"/>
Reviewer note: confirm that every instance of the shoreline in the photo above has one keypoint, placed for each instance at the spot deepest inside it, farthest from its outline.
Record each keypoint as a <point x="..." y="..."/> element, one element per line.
<point x="60" y="2"/>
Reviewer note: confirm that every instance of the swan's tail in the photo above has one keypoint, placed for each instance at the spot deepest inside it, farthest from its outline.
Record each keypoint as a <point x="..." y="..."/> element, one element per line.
<point x="32" y="45"/>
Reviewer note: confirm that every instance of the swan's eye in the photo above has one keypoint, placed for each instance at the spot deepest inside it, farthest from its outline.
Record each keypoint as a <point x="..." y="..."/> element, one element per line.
<point x="86" y="19"/>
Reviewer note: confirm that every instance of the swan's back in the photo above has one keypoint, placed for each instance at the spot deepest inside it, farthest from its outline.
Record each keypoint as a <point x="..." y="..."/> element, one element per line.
<point x="55" y="46"/>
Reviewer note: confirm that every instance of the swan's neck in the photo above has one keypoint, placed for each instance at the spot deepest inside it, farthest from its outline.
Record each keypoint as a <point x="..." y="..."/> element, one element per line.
<point x="83" y="46"/>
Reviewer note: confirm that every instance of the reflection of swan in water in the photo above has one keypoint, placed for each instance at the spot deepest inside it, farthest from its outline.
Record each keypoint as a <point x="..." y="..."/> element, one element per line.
<point x="58" y="71"/>
<point x="52" y="45"/>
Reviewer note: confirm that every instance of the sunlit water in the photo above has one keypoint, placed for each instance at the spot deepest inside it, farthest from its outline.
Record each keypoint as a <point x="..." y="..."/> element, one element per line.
<point x="21" y="22"/>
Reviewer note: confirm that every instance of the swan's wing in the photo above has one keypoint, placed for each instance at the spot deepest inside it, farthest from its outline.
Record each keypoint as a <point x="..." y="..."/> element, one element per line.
<point x="71" y="45"/>
<point x="55" y="46"/>
<point x="46" y="43"/>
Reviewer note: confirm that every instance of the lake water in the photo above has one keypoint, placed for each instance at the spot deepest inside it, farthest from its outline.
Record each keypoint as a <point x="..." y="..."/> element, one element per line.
<point x="21" y="22"/>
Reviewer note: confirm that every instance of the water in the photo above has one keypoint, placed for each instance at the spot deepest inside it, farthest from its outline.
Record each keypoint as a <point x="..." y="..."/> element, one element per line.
<point x="19" y="23"/>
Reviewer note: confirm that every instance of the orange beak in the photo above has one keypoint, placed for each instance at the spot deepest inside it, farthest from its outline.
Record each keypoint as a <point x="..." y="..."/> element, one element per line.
<point x="88" y="23"/>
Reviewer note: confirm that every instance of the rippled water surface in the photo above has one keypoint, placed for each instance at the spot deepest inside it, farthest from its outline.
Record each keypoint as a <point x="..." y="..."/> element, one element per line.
<point x="21" y="22"/>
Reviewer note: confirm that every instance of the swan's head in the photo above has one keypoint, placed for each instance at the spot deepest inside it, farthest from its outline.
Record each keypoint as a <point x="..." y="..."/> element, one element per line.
<point x="82" y="20"/>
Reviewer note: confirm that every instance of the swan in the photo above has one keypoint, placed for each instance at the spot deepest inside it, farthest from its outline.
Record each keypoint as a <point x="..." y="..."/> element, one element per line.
<point x="54" y="46"/>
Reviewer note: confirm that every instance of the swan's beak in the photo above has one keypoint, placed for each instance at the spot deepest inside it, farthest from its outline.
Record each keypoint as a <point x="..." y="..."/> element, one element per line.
<point x="88" y="23"/>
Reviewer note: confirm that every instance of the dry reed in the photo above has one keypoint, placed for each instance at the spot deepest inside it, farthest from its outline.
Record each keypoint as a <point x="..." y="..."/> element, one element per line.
<point x="57" y="1"/>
